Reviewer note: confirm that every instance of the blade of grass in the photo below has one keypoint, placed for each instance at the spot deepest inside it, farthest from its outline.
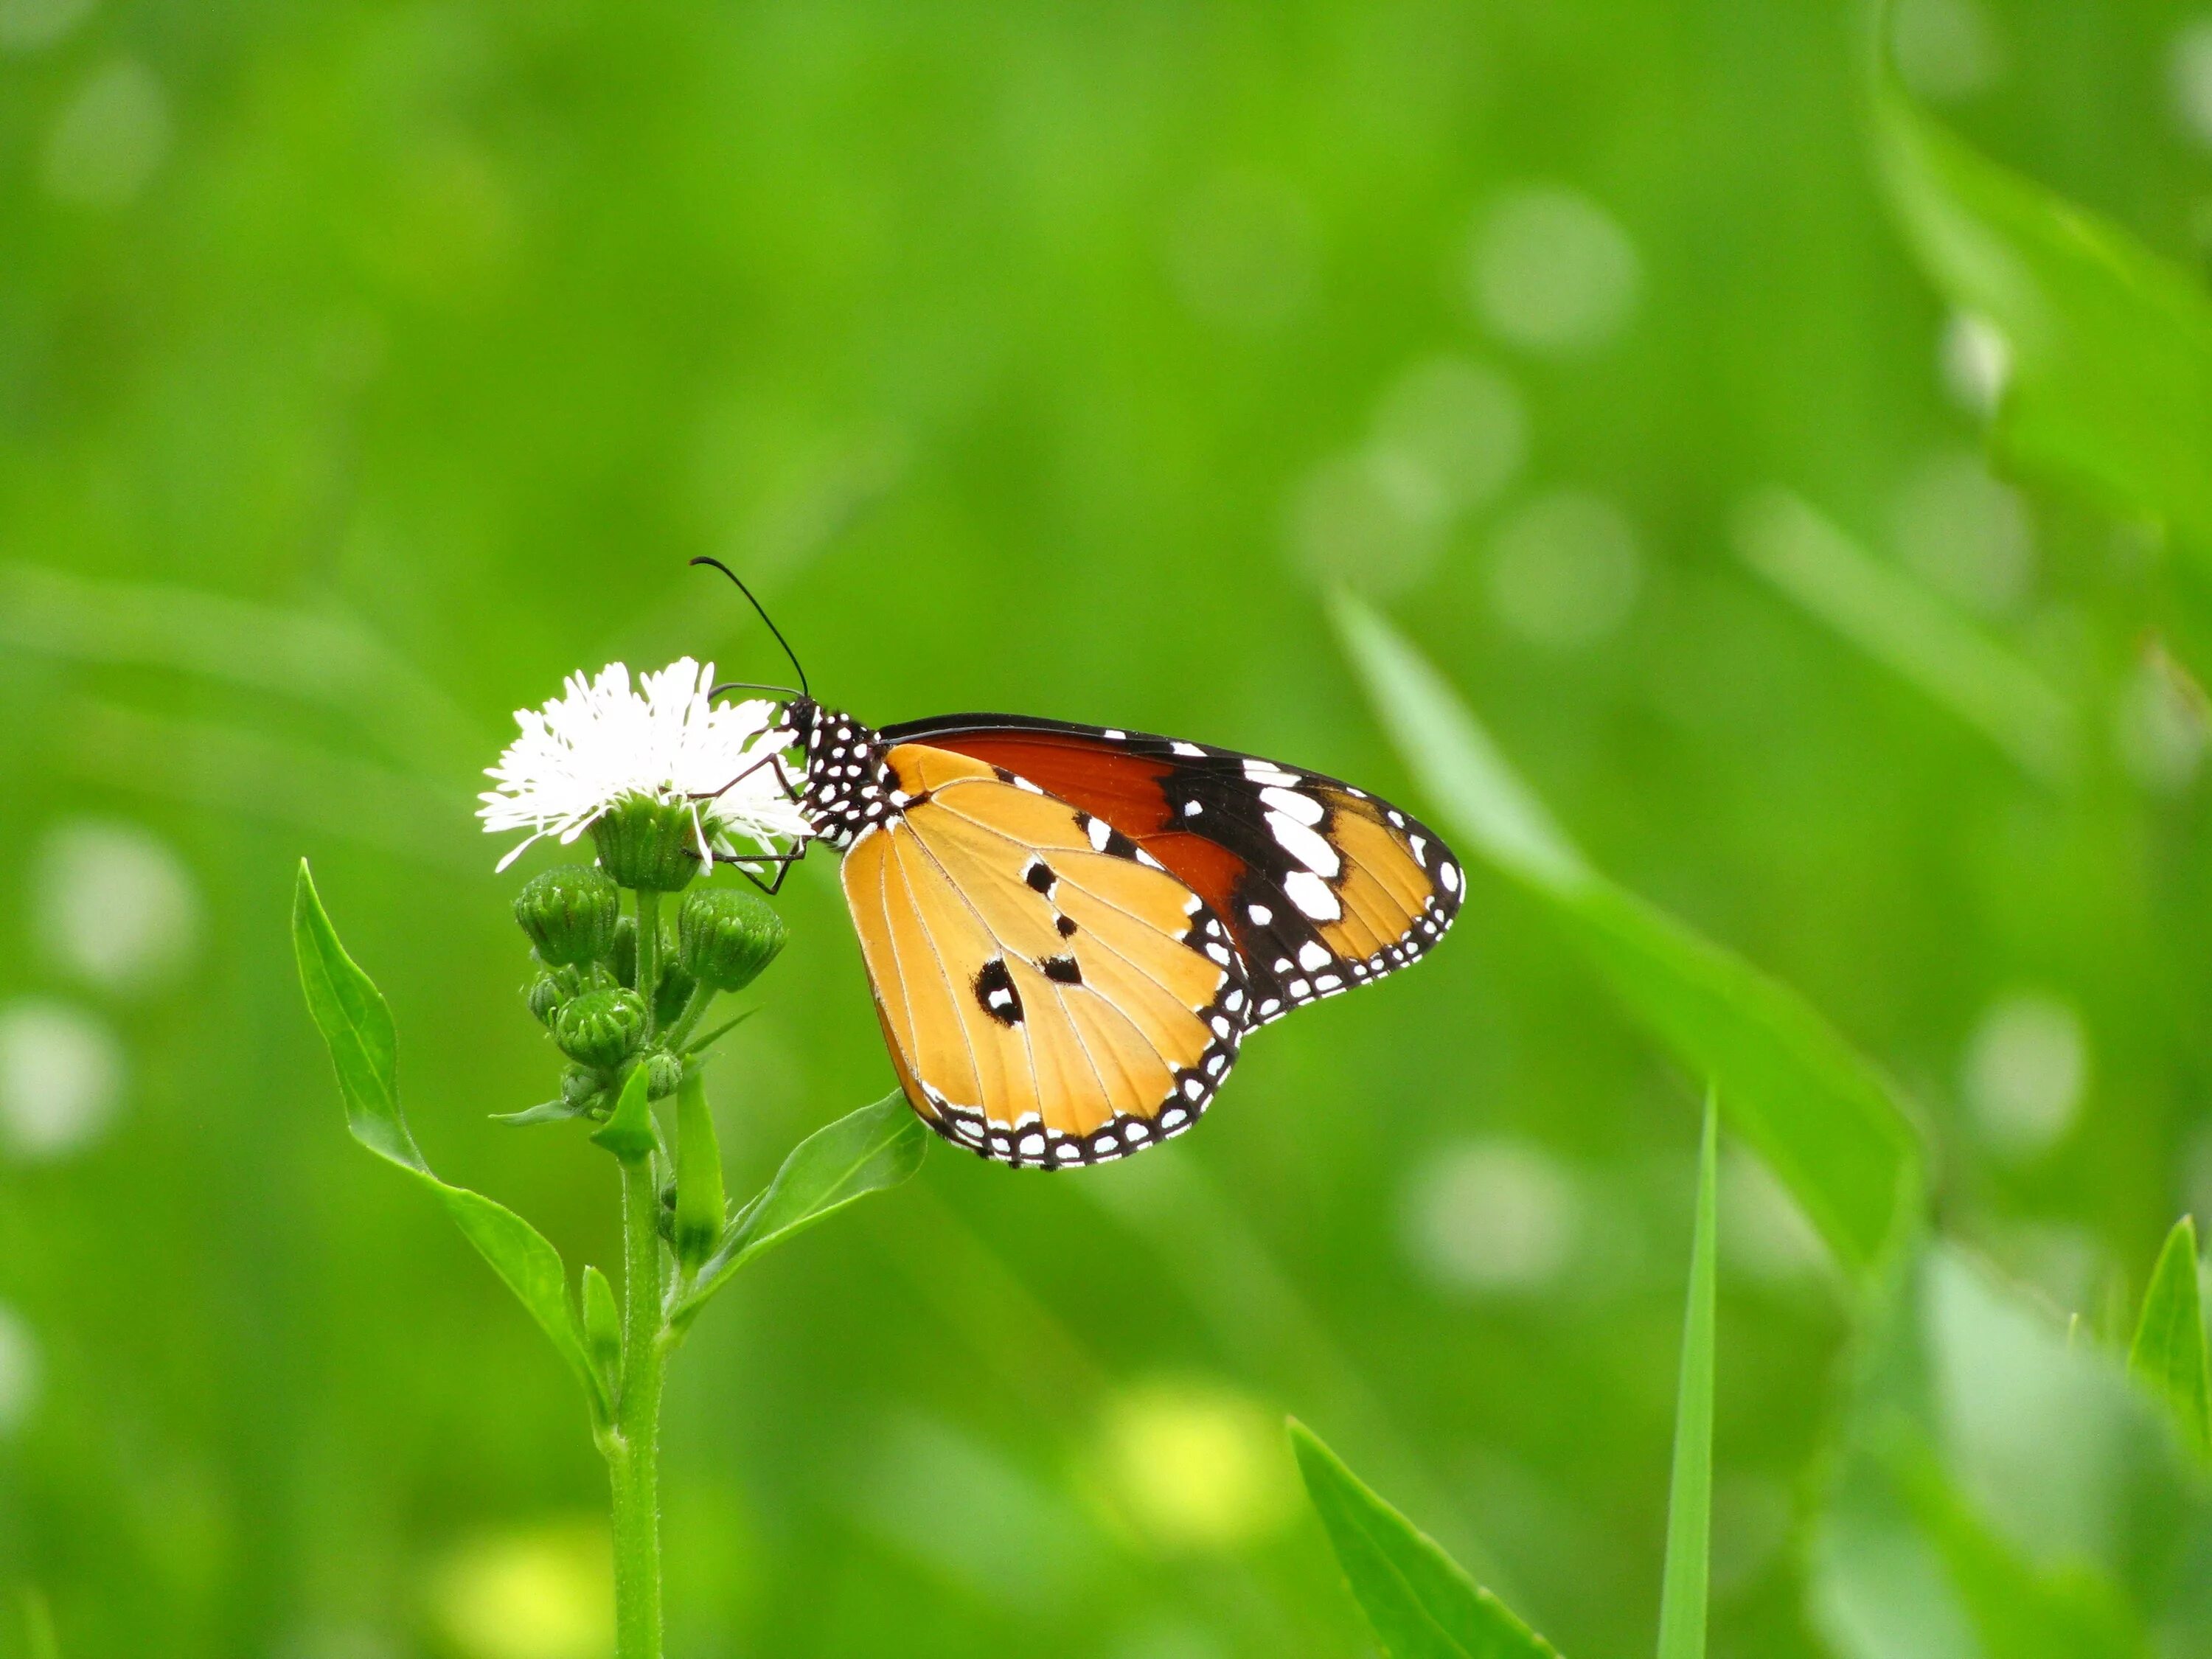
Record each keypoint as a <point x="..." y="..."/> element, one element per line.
<point x="1690" y="1495"/>
<point x="2168" y="1354"/>
<point x="1822" y="1116"/>
<point x="2110" y="385"/>
<point x="1420" y="1603"/>
<point x="1907" y="628"/>
<point x="356" y="1023"/>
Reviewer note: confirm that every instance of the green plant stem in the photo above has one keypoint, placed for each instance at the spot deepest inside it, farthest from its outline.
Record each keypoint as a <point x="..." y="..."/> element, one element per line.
<point x="680" y="1028"/>
<point x="633" y="1444"/>
<point x="648" y="950"/>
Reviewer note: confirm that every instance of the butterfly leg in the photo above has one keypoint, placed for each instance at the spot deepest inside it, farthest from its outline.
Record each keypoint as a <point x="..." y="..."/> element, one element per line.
<point x="783" y="861"/>
<point x="791" y="790"/>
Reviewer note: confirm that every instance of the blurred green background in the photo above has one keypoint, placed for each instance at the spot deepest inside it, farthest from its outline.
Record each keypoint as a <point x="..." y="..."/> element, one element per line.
<point x="366" y="369"/>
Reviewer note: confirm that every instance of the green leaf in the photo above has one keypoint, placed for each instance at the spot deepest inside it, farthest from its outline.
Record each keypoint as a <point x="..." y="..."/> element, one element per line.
<point x="546" y="1111"/>
<point x="2168" y="1354"/>
<point x="1420" y="1603"/>
<point x="1690" y="1497"/>
<point x="2110" y="388"/>
<point x="628" y="1133"/>
<point x="865" y="1151"/>
<point x="356" y="1023"/>
<point x="1821" y="1116"/>
<point x="1909" y="629"/>
<point x="700" y="1209"/>
<point x="602" y="1326"/>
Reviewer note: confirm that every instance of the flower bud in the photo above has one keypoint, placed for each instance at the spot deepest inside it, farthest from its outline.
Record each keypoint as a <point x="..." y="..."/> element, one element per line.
<point x="662" y="1073"/>
<point x="545" y="997"/>
<point x="569" y="912"/>
<point x="624" y="959"/>
<point x="601" y="1027"/>
<point x="648" y="843"/>
<point x="725" y="936"/>
<point x="676" y="987"/>
<point x="579" y="1084"/>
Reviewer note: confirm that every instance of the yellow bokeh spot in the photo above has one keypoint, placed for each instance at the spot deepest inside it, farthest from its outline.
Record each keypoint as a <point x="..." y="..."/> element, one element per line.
<point x="1198" y="1466"/>
<point x="540" y="1592"/>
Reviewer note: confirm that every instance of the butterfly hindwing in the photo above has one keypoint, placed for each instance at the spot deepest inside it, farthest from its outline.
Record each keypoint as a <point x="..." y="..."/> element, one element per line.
<point x="1323" y="887"/>
<point x="1051" y="995"/>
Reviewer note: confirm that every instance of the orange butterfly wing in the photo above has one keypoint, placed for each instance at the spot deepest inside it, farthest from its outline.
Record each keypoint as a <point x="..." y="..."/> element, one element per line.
<point x="1051" y="995"/>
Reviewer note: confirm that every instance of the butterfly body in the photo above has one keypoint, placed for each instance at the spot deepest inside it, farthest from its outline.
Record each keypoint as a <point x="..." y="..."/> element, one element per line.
<point x="1070" y="930"/>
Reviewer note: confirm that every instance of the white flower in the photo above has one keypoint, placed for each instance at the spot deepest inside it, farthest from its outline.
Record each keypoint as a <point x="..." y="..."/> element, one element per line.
<point x="600" y="743"/>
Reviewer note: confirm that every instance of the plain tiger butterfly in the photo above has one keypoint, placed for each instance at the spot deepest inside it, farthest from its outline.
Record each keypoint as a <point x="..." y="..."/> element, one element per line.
<point x="1070" y="930"/>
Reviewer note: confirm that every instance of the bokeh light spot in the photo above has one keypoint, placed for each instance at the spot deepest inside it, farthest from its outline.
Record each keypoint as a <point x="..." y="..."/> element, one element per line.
<point x="1198" y="1466"/>
<point x="1565" y="569"/>
<point x="1369" y="519"/>
<point x="61" y="1078"/>
<point x="109" y="139"/>
<point x="112" y="903"/>
<point x="2026" y="1068"/>
<point x="1494" y="1216"/>
<point x="1946" y="50"/>
<point x="2158" y="725"/>
<point x="1552" y="271"/>
<point x="540" y="1592"/>
<point x="27" y="24"/>
<point x="2189" y="77"/>
<point x="1975" y="362"/>
<point x="1457" y="426"/>
<point x="1967" y="534"/>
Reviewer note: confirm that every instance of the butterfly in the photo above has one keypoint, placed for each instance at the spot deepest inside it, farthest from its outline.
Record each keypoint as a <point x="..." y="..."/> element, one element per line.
<point x="1070" y="930"/>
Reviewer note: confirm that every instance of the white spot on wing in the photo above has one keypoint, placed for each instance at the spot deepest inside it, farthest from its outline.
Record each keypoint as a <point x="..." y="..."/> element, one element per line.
<point x="1100" y="832"/>
<point x="1308" y="847"/>
<point x="1267" y="772"/>
<point x="1304" y="808"/>
<point x="1311" y="895"/>
<point x="1449" y="875"/>
<point x="1189" y="749"/>
<point x="1313" y="954"/>
<point x="1260" y="915"/>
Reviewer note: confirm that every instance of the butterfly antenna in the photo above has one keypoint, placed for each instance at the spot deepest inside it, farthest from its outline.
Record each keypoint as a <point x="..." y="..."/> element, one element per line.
<point x="800" y="667"/>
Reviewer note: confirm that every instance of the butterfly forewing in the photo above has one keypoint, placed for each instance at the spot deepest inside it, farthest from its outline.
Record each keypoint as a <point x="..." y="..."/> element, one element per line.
<point x="1052" y="995"/>
<point x="1322" y="886"/>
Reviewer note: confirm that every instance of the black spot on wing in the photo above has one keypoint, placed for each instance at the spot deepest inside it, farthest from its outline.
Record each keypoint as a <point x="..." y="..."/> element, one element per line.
<point x="995" y="994"/>
<point x="1062" y="971"/>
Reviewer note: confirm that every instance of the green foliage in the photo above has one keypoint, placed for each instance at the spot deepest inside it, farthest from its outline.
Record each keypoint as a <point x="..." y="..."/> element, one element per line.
<point x="865" y="1151"/>
<point x="1900" y="623"/>
<point x="1420" y="1603"/>
<point x="2018" y="1610"/>
<point x="1823" y="1117"/>
<point x="2110" y="386"/>
<point x="628" y="1132"/>
<point x="2168" y="1354"/>
<point x="1690" y="1494"/>
<point x="40" y="1638"/>
<point x="351" y="1014"/>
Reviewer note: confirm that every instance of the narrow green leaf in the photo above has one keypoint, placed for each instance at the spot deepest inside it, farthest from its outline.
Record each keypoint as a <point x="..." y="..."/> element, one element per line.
<point x="1909" y="629"/>
<point x="700" y="1209"/>
<point x="628" y="1133"/>
<point x="602" y="1326"/>
<point x="865" y="1151"/>
<point x="356" y="1025"/>
<point x="1821" y="1115"/>
<point x="2109" y="383"/>
<point x="546" y="1111"/>
<point x="1690" y="1497"/>
<point x="2168" y="1354"/>
<point x="698" y="1044"/>
<point x="1420" y="1603"/>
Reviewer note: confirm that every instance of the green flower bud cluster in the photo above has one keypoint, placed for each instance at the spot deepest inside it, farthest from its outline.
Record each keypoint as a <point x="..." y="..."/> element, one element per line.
<point x="587" y="991"/>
